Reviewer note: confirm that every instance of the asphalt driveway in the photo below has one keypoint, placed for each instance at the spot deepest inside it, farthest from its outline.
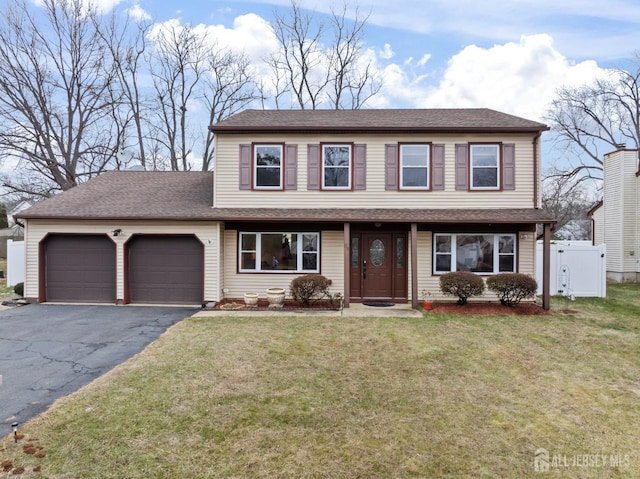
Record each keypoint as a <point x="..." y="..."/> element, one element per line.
<point x="49" y="351"/>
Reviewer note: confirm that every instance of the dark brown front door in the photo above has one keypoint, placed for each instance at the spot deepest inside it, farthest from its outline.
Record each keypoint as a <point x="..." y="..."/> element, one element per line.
<point x="378" y="266"/>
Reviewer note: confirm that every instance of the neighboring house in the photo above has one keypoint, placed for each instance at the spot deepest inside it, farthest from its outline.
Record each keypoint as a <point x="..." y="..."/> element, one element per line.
<point x="381" y="202"/>
<point x="616" y="219"/>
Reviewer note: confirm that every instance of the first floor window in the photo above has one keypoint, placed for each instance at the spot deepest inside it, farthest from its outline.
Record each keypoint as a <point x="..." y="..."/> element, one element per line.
<point x="336" y="167"/>
<point x="478" y="253"/>
<point x="268" y="166"/>
<point x="414" y="167"/>
<point x="279" y="252"/>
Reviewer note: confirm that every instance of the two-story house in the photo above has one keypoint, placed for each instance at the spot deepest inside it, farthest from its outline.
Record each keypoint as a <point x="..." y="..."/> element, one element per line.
<point x="381" y="202"/>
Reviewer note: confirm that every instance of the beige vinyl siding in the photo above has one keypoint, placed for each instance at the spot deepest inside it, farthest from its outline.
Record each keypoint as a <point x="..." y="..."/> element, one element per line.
<point x="208" y="233"/>
<point x="236" y="284"/>
<point x="620" y="213"/>
<point x="228" y="194"/>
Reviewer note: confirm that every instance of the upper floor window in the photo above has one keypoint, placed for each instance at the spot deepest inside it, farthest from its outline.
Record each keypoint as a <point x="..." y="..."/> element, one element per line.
<point x="485" y="167"/>
<point x="414" y="167"/>
<point x="268" y="162"/>
<point x="336" y="167"/>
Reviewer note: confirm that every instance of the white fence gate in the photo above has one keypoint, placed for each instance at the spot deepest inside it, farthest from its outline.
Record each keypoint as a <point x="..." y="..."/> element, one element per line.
<point x="578" y="269"/>
<point x="15" y="262"/>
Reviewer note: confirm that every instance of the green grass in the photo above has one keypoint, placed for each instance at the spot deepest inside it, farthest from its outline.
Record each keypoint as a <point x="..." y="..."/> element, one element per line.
<point x="310" y="397"/>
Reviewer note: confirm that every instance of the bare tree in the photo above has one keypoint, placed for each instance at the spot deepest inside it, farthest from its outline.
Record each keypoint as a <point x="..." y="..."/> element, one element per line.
<point x="55" y="101"/>
<point x="593" y="119"/>
<point x="178" y="63"/>
<point x="126" y="43"/>
<point x="228" y="88"/>
<point x="320" y="64"/>
<point x="569" y="199"/>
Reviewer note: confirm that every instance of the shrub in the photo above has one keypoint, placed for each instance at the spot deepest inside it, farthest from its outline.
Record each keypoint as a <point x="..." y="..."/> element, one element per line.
<point x="19" y="289"/>
<point x="308" y="287"/>
<point x="511" y="288"/>
<point x="462" y="284"/>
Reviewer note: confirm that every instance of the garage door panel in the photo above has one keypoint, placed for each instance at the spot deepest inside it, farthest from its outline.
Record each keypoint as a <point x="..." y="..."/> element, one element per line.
<point x="80" y="268"/>
<point x="165" y="269"/>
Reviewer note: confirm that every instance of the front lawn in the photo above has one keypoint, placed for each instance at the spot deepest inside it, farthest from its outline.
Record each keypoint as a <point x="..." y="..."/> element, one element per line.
<point x="310" y="397"/>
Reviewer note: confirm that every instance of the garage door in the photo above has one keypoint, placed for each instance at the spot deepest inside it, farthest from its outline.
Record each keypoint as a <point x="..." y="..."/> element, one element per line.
<point x="165" y="269"/>
<point x="80" y="268"/>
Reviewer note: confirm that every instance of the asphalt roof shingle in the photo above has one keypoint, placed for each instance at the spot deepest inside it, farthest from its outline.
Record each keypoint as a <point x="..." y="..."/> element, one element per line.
<point x="393" y="120"/>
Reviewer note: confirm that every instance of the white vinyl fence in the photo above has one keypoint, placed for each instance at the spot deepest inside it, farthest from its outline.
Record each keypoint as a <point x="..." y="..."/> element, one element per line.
<point x="578" y="269"/>
<point x="15" y="262"/>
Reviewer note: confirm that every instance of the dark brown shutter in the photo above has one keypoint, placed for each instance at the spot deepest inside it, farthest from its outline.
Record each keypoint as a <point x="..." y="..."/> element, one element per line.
<point x="313" y="167"/>
<point x="462" y="167"/>
<point x="291" y="167"/>
<point x="509" y="166"/>
<point x="360" y="167"/>
<point x="391" y="167"/>
<point x="437" y="159"/>
<point x="245" y="167"/>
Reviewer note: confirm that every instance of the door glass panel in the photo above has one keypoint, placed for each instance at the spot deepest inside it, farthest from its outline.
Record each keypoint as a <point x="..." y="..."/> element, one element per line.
<point x="399" y="252"/>
<point x="376" y="253"/>
<point x="355" y="252"/>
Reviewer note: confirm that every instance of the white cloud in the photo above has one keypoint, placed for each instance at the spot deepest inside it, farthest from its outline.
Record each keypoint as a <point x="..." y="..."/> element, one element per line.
<point x="138" y="13"/>
<point x="519" y="78"/>
<point x="387" y="52"/>
<point x="423" y="61"/>
<point x="101" y="5"/>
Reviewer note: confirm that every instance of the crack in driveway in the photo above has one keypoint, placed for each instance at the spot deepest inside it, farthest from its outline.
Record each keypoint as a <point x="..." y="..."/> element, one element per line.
<point x="49" y="351"/>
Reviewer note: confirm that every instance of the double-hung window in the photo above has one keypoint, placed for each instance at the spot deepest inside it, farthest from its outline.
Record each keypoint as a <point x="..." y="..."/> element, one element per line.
<point x="485" y="166"/>
<point x="414" y="167"/>
<point x="268" y="166"/>
<point x="279" y="252"/>
<point x="478" y="253"/>
<point x="336" y="167"/>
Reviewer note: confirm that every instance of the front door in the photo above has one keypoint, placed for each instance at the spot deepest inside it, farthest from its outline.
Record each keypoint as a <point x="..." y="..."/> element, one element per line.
<point x="378" y="266"/>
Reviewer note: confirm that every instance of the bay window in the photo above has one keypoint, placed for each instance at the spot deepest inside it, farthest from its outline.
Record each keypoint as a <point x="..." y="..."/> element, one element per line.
<point x="478" y="253"/>
<point x="279" y="252"/>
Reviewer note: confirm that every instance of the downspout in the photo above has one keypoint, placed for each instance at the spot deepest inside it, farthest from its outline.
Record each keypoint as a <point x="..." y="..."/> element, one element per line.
<point x="535" y="169"/>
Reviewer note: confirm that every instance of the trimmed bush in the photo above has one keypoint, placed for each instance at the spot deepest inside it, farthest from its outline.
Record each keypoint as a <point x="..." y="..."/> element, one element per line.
<point x="19" y="289"/>
<point x="462" y="284"/>
<point x="306" y="288"/>
<point x="511" y="288"/>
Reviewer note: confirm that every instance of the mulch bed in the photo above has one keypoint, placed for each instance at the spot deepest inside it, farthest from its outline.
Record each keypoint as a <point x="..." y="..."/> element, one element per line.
<point x="263" y="305"/>
<point x="522" y="309"/>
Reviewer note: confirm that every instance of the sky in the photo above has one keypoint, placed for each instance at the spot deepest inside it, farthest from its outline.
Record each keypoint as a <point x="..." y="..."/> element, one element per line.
<point x="506" y="55"/>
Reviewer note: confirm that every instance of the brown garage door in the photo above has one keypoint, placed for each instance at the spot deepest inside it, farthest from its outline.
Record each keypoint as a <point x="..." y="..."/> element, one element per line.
<point x="80" y="268"/>
<point x="165" y="269"/>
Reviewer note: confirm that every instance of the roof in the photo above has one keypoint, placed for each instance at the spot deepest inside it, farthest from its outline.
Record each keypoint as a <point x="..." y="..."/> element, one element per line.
<point x="392" y="120"/>
<point x="132" y="195"/>
<point x="188" y="196"/>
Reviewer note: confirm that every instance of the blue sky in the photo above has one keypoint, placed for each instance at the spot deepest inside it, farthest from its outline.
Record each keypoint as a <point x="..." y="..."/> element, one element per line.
<point x="507" y="55"/>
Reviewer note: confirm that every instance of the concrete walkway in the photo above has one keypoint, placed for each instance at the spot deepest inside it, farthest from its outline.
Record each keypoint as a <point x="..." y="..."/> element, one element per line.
<point x="355" y="310"/>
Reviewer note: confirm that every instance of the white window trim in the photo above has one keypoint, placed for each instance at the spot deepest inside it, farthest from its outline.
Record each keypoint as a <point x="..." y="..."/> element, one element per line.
<point x="256" y="167"/>
<point x="350" y="167"/>
<point x="496" y="252"/>
<point x="299" y="252"/>
<point x="402" y="167"/>
<point x="498" y="166"/>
